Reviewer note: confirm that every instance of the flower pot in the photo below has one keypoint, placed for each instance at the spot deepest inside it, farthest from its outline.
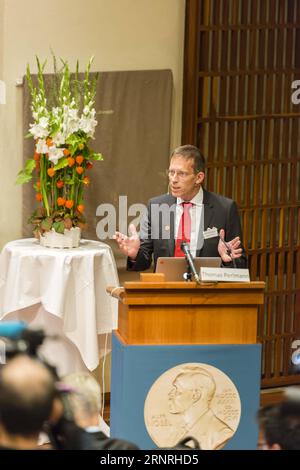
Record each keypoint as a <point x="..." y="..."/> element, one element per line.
<point x="69" y="239"/>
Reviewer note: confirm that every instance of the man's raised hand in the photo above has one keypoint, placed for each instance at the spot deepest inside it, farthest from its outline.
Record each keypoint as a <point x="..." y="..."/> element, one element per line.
<point x="128" y="245"/>
<point x="229" y="250"/>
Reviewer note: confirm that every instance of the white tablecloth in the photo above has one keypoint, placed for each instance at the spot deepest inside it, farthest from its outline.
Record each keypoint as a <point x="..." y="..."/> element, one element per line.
<point x="61" y="290"/>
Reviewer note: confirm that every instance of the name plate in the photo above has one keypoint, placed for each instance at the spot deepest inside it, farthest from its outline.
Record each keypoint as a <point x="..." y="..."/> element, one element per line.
<point x="224" y="275"/>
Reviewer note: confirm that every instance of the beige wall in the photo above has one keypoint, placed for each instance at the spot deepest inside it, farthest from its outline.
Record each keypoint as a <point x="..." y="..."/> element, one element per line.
<point x="121" y="34"/>
<point x="1" y="36"/>
<point x="2" y="110"/>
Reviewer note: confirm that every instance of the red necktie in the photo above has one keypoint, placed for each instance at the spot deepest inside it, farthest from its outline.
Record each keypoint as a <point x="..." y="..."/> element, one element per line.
<point x="184" y="229"/>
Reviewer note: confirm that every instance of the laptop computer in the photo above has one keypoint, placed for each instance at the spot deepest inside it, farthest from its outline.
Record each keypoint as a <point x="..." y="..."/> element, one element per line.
<point x="174" y="268"/>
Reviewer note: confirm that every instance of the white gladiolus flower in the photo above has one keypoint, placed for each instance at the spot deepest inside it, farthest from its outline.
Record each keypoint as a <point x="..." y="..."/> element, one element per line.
<point x="59" y="139"/>
<point x="88" y="125"/>
<point x="70" y="122"/>
<point x="55" y="154"/>
<point x="87" y="121"/>
<point x="72" y="113"/>
<point x="40" y="129"/>
<point x="41" y="146"/>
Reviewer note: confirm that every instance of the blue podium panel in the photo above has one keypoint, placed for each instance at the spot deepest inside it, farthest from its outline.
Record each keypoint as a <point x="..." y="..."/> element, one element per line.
<point x="138" y="370"/>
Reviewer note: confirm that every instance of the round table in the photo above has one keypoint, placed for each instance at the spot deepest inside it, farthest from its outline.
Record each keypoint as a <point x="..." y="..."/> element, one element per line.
<point x="64" y="292"/>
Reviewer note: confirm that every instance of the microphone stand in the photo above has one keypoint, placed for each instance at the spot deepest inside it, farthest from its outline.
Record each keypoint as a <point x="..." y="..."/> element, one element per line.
<point x="191" y="270"/>
<point x="187" y="276"/>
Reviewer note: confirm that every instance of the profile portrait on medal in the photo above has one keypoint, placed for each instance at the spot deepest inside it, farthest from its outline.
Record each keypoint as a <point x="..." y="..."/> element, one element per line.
<point x="197" y="400"/>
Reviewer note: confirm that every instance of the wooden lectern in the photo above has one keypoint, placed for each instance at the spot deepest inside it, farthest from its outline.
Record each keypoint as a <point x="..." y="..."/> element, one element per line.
<point x="166" y="327"/>
<point x="187" y="313"/>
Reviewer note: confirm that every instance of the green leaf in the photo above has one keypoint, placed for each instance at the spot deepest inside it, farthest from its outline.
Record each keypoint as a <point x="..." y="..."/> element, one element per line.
<point x="46" y="224"/>
<point x="25" y="175"/>
<point x="72" y="139"/>
<point x="63" y="162"/>
<point x="29" y="165"/>
<point x="23" y="178"/>
<point x="54" y="128"/>
<point x="59" y="227"/>
<point x="96" y="156"/>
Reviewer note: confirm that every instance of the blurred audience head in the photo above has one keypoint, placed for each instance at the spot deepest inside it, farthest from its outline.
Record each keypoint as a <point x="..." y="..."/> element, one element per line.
<point x="27" y="390"/>
<point x="280" y="424"/>
<point x="85" y="399"/>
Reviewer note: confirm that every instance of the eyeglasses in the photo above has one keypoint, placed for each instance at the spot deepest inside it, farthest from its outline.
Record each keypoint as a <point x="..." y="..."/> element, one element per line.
<point x="182" y="175"/>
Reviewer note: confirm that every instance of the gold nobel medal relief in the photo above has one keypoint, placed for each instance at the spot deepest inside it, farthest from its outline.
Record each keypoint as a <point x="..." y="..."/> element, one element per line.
<point x="195" y="400"/>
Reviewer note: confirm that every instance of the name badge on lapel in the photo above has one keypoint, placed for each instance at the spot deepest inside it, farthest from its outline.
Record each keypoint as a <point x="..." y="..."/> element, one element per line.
<point x="210" y="233"/>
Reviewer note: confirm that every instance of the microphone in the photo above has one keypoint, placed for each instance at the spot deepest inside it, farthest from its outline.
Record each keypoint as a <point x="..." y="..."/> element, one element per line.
<point x="186" y="250"/>
<point x="229" y="250"/>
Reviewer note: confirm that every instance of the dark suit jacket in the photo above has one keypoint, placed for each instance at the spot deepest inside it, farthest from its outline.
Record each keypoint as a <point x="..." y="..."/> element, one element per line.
<point x="103" y="442"/>
<point x="157" y="235"/>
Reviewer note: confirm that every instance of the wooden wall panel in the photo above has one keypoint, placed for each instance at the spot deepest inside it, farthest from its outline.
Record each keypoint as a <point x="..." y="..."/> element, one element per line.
<point x="241" y="57"/>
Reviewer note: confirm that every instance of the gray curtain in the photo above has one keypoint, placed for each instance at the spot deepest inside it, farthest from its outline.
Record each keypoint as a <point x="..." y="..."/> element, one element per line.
<point x="134" y="140"/>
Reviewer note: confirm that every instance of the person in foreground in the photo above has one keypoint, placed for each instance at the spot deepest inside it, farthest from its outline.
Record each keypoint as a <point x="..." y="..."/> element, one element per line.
<point x="27" y="391"/>
<point x="279" y="424"/>
<point x="209" y="223"/>
<point x="85" y="402"/>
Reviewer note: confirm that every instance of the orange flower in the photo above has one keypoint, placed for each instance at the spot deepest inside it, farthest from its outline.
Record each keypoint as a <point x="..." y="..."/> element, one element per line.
<point x="51" y="172"/>
<point x="38" y="197"/>
<point x="59" y="184"/>
<point x="86" y="180"/>
<point x="69" y="203"/>
<point x="79" y="170"/>
<point x="49" y="142"/>
<point x="79" y="159"/>
<point x="71" y="161"/>
<point x="80" y="208"/>
<point x="61" y="201"/>
<point x="66" y="152"/>
<point x="38" y="184"/>
<point x="89" y="165"/>
<point x="36" y="156"/>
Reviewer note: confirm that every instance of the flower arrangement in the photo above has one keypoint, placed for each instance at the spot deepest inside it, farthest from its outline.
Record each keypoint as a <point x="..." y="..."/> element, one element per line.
<point x="64" y="123"/>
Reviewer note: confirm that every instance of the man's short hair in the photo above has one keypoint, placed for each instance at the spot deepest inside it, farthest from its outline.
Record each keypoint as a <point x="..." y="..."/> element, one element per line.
<point x="280" y="424"/>
<point x="87" y="392"/>
<point x="27" y="391"/>
<point x="190" y="152"/>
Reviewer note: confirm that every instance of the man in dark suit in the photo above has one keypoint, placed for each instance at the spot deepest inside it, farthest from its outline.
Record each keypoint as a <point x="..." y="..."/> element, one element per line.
<point x="214" y="227"/>
<point x="85" y="403"/>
